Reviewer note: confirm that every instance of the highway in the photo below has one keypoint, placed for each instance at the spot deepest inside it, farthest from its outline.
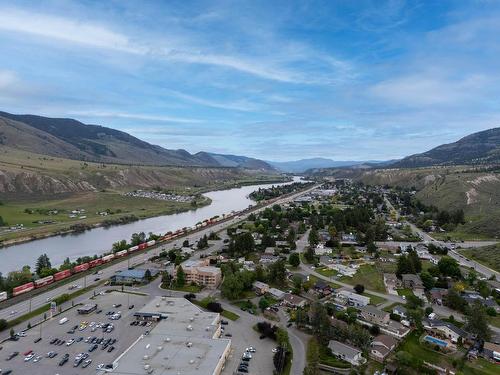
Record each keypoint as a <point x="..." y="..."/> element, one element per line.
<point x="24" y="307"/>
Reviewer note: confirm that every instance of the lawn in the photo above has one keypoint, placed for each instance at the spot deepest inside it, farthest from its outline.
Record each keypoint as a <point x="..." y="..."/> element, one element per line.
<point x="230" y="315"/>
<point x="374" y="300"/>
<point x="326" y="272"/>
<point x="186" y="288"/>
<point x="487" y="255"/>
<point x="369" y="276"/>
<point x="405" y="292"/>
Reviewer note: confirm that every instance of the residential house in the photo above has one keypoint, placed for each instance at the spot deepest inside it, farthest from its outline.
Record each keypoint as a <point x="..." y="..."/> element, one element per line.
<point x="348" y="238"/>
<point x="346" y="297"/>
<point x="446" y="330"/>
<point x="323" y="288"/>
<point x="346" y="352"/>
<point x="343" y="270"/>
<point x="437" y="295"/>
<point x="334" y="322"/>
<point x="412" y="281"/>
<point x="260" y="288"/>
<point x="401" y="311"/>
<point x="491" y="351"/>
<point x="382" y="346"/>
<point x="276" y="293"/>
<point x="292" y="300"/>
<point x="269" y="250"/>
<point x="325" y="260"/>
<point x="373" y="315"/>
<point x="321" y="249"/>
<point x="268" y="259"/>
<point x="395" y="329"/>
<point x="391" y="283"/>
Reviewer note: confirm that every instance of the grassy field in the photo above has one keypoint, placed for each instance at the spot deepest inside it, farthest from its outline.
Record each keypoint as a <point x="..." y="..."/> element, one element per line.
<point x="487" y="255"/>
<point x="369" y="276"/>
<point x="30" y="212"/>
<point x="374" y="300"/>
<point x="325" y="271"/>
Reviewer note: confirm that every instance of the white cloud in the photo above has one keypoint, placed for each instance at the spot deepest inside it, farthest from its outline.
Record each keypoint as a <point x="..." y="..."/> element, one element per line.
<point x="67" y="30"/>
<point x="242" y="105"/>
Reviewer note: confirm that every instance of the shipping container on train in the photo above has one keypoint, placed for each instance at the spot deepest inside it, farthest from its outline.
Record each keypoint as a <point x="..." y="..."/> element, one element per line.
<point x="23" y="289"/>
<point x="3" y="296"/>
<point x="62" y="275"/>
<point x="150" y="243"/>
<point x="95" y="262"/>
<point x="133" y="248"/>
<point x="81" y="267"/>
<point x="108" y="258"/>
<point x="120" y="254"/>
<point x="44" y="281"/>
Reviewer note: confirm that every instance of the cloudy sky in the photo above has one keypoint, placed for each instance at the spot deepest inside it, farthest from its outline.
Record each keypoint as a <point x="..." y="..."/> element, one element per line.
<point x="277" y="80"/>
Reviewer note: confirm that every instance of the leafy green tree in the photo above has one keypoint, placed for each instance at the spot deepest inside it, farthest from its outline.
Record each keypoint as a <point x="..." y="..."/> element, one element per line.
<point x="427" y="280"/>
<point x="180" y="277"/>
<point x="313" y="237"/>
<point x="138" y="238"/>
<point x="2" y="222"/>
<point x="232" y="286"/>
<point x="294" y="259"/>
<point x="119" y="246"/>
<point x="449" y="267"/>
<point x="277" y="272"/>
<point x="477" y="321"/>
<point x="3" y="324"/>
<point x="42" y="262"/>
<point x="264" y="303"/>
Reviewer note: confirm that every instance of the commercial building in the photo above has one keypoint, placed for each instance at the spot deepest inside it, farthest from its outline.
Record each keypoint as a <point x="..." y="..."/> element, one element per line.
<point x="87" y="309"/>
<point x="184" y="341"/>
<point x="133" y="276"/>
<point x="201" y="273"/>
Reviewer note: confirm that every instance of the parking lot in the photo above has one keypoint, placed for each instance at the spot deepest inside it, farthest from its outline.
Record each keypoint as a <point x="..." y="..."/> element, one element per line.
<point x="123" y="332"/>
<point x="243" y="336"/>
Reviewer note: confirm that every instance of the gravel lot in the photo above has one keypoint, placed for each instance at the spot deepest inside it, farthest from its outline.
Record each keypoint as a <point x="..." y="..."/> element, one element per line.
<point x="123" y="332"/>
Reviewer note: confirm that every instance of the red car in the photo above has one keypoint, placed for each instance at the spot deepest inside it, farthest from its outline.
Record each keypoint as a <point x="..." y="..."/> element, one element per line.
<point x="28" y="352"/>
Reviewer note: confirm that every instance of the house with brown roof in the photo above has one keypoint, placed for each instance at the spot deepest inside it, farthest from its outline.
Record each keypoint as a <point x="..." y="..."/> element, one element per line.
<point x="382" y="346"/>
<point x="292" y="300"/>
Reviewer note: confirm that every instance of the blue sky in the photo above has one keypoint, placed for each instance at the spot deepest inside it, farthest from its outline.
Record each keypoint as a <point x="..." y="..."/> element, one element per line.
<point x="277" y="80"/>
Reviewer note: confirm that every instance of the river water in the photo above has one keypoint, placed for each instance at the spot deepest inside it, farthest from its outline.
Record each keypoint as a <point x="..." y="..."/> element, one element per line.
<point x="100" y="240"/>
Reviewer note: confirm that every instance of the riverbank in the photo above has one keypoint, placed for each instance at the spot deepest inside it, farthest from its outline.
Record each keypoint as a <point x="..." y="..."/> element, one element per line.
<point x="100" y="209"/>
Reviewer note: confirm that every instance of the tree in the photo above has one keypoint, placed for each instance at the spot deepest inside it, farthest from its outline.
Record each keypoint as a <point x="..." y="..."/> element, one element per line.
<point x="264" y="303"/>
<point x="294" y="259"/>
<point x="147" y="275"/>
<point x="313" y="237"/>
<point x="185" y="243"/>
<point x="3" y="324"/>
<point x="297" y="284"/>
<point x="427" y="280"/>
<point x="2" y="222"/>
<point x="449" y="267"/>
<point x="359" y="288"/>
<point x="232" y="286"/>
<point x="11" y="332"/>
<point x="138" y="238"/>
<point x="119" y="246"/>
<point x="42" y="262"/>
<point x="416" y="264"/>
<point x="181" y="277"/>
<point x="309" y="254"/>
<point x="477" y="321"/>
<point x="277" y="272"/>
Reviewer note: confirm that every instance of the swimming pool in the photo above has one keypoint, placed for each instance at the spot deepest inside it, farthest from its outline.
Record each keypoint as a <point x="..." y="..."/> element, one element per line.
<point x="436" y="341"/>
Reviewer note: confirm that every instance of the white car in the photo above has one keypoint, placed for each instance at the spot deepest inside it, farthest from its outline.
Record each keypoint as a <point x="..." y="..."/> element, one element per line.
<point x="251" y="349"/>
<point x="100" y="366"/>
<point x="29" y="357"/>
<point x="70" y="342"/>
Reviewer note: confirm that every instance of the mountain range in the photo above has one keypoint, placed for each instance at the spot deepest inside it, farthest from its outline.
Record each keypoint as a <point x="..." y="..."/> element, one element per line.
<point x="300" y="166"/>
<point x="72" y="139"/>
<point x="478" y="148"/>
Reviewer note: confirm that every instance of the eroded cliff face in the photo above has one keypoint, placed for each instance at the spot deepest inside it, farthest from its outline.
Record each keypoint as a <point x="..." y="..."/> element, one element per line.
<point x="29" y="182"/>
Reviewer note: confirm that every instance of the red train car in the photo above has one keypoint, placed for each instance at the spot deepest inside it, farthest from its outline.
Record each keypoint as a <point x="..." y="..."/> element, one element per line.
<point x="44" y="281"/>
<point x="142" y="246"/>
<point x="81" y="267"/>
<point x="95" y="262"/>
<point x="23" y="289"/>
<point x="62" y="275"/>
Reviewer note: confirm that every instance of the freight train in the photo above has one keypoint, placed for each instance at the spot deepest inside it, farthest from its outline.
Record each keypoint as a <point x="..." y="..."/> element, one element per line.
<point x="39" y="283"/>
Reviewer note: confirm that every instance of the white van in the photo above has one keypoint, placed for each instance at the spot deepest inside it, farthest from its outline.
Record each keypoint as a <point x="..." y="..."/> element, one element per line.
<point x="63" y="320"/>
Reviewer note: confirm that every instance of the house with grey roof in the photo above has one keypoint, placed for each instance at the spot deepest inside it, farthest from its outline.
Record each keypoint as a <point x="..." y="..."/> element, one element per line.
<point x="346" y="353"/>
<point x="373" y="315"/>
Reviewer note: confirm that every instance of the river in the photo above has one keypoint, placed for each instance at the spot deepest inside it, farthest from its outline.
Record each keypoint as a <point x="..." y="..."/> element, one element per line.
<point x="100" y="240"/>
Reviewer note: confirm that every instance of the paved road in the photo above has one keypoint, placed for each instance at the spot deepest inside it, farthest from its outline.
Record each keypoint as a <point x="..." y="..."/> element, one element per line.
<point x="12" y="312"/>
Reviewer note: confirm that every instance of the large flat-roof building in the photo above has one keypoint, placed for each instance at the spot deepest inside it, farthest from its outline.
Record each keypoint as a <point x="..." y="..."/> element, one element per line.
<point x="185" y="341"/>
<point x="133" y="276"/>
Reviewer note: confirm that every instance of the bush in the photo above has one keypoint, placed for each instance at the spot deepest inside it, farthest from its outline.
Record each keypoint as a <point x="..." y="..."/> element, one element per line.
<point x="267" y="329"/>
<point x="3" y="324"/>
<point x="190" y="296"/>
<point x="374" y="330"/>
<point x="359" y="288"/>
<point x="214" y="307"/>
